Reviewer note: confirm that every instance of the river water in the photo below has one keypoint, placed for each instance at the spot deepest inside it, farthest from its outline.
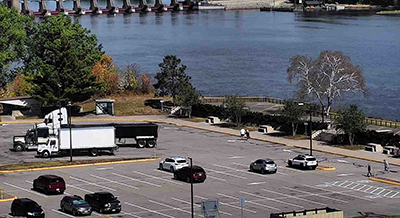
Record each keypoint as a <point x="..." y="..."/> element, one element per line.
<point x="247" y="52"/>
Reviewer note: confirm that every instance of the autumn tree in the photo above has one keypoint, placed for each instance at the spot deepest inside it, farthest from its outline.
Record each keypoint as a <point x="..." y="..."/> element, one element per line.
<point x="352" y="121"/>
<point x="144" y="84"/>
<point x="106" y="73"/>
<point x="172" y="77"/>
<point x="128" y="77"/>
<point x="326" y="78"/>
<point x="292" y="113"/>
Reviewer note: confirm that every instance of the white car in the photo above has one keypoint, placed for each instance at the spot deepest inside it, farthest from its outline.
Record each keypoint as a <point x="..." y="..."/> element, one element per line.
<point x="173" y="163"/>
<point x="303" y="161"/>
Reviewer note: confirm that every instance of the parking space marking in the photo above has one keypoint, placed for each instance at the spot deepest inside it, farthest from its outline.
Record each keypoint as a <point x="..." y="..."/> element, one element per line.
<point x="351" y="183"/>
<point x="250" y="202"/>
<point x="216" y="178"/>
<point x="230" y="205"/>
<point x="256" y="183"/>
<point x="313" y="194"/>
<point x="394" y="195"/>
<point x="232" y="175"/>
<point x="333" y="192"/>
<point x="156" y="177"/>
<point x="293" y="169"/>
<point x="360" y="188"/>
<point x="380" y="192"/>
<point x="246" y="171"/>
<point x="368" y="189"/>
<point x="162" y="171"/>
<point x="82" y="189"/>
<point x="271" y="199"/>
<point x="137" y="180"/>
<point x="91" y="183"/>
<point x="174" y="208"/>
<point x="130" y="214"/>
<point x="105" y="168"/>
<point x="123" y="184"/>
<point x="387" y="193"/>
<point x="185" y="202"/>
<point x="149" y="210"/>
<point x="23" y="189"/>
<point x="291" y="196"/>
<point x="62" y="213"/>
<point x="342" y="183"/>
<point x="355" y="186"/>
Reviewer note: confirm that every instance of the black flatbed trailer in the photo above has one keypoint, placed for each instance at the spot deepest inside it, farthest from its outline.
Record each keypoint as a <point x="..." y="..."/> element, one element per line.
<point x="145" y="134"/>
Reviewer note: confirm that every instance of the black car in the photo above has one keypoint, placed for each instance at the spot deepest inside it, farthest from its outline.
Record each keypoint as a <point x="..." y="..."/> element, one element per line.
<point x="75" y="205"/>
<point x="199" y="174"/>
<point x="26" y="207"/>
<point x="104" y="202"/>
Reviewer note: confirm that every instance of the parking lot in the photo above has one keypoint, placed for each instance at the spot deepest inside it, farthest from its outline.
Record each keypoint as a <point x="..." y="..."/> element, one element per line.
<point x="146" y="191"/>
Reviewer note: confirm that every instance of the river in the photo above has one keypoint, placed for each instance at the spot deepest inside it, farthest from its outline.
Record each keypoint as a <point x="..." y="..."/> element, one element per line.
<point x="247" y="52"/>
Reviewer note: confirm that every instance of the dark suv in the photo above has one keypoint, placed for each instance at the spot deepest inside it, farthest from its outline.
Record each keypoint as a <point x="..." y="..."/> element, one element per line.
<point x="199" y="175"/>
<point x="75" y="205"/>
<point x="26" y="207"/>
<point x="49" y="183"/>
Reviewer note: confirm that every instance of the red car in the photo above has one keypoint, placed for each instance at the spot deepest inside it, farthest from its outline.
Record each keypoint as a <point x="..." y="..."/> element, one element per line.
<point x="199" y="174"/>
<point x="49" y="183"/>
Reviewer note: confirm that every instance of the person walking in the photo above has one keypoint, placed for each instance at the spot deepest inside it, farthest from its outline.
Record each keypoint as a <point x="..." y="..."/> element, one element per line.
<point x="386" y="163"/>
<point x="247" y="134"/>
<point x="369" y="174"/>
<point x="242" y="133"/>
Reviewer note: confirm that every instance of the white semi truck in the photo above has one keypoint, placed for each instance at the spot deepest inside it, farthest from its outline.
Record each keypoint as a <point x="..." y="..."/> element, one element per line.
<point x="88" y="138"/>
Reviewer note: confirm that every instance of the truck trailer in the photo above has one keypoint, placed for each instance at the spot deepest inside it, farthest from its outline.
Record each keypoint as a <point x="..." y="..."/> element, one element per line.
<point x="145" y="134"/>
<point x="87" y="138"/>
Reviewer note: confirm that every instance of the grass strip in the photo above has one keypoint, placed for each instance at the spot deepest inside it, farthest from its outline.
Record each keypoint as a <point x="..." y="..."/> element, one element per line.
<point x="36" y="165"/>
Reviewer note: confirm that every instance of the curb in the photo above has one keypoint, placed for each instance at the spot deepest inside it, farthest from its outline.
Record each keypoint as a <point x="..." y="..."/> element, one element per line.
<point x="384" y="181"/>
<point x="8" y="199"/>
<point x="80" y="165"/>
<point x="326" y="168"/>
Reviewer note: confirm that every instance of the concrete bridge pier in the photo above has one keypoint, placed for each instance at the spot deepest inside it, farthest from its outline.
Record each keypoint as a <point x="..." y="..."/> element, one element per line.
<point x="190" y="3"/>
<point x="177" y="6"/>
<point x="160" y="6"/>
<point x="111" y="7"/>
<point x="128" y="6"/>
<point x="60" y="7"/>
<point x="25" y="8"/>
<point x="144" y="7"/>
<point x="78" y="7"/>
<point x="43" y="8"/>
<point x="94" y="6"/>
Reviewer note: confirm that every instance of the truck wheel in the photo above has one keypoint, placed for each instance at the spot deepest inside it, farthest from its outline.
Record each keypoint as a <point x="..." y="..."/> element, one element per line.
<point x="94" y="152"/>
<point x="19" y="148"/>
<point x="141" y="143"/>
<point x="46" y="154"/>
<point x="151" y="143"/>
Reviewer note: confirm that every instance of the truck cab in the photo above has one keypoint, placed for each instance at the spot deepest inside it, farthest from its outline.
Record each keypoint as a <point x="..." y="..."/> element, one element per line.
<point x="31" y="139"/>
<point x="49" y="148"/>
<point x="52" y="120"/>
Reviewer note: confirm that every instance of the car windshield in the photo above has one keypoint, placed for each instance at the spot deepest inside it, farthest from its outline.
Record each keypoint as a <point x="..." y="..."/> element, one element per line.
<point x="31" y="205"/>
<point x="198" y="170"/>
<point x="270" y="162"/>
<point x="77" y="202"/>
<point x="56" y="181"/>
<point x="311" y="159"/>
<point x="107" y="197"/>
<point x="181" y="161"/>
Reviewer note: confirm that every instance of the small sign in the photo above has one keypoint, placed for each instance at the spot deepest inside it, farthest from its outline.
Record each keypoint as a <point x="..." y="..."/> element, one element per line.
<point x="241" y="202"/>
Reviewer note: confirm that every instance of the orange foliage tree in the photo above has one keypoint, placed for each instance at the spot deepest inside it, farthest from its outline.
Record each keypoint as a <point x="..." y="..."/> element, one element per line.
<point x="107" y="73"/>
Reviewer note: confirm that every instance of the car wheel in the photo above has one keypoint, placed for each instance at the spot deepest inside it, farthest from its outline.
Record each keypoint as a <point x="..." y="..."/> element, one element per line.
<point x="262" y="170"/>
<point x="303" y="165"/>
<point x="94" y="152"/>
<point x="46" y="191"/>
<point x="188" y="179"/>
<point x="276" y="171"/>
<point x="172" y="169"/>
<point x="175" y="176"/>
<point x="74" y="212"/>
<point x="62" y="208"/>
<point x="290" y="163"/>
<point x="161" y="166"/>
<point x="46" y="154"/>
<point x="251" y="169"/>
<point x="34" y="186"/>
<point x="313" y="167"/>
<point x="141" y="143"/>
<point x="62" y="192"/>
<point x="18" y="148"/>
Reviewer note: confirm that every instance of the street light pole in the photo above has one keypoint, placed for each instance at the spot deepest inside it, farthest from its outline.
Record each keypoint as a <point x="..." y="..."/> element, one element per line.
<point x="70" y="132"/>
<point x="310" y="131"/>
<point x="191" y="185"/>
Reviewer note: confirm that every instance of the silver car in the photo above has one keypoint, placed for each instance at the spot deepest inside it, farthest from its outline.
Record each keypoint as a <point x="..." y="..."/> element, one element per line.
<point x="264" y="165"/>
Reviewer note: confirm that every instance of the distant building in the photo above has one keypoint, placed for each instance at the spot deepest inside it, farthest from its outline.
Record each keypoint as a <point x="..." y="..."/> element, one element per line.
<point x="27" y="105"/>
<point x="314" y="213"/>
<point x="312" y="3"/>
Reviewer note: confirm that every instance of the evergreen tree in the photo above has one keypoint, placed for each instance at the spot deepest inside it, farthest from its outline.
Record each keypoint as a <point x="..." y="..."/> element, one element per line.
<point x="352" y="121"/>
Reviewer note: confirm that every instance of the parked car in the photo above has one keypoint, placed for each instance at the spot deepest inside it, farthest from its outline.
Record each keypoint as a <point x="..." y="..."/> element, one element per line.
<point x="264" y="165"/>
<point x="26" y="207"/>
<point x="199" y="174"/>
<point x="303" y="161"/>
<point x="75" y="205"/>
<point x="173" y="163"/>
<point x="49" y="183"/>
<point x="104" y="202"/>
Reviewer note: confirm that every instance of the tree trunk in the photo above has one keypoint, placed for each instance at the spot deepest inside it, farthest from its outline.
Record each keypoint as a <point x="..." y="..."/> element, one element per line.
<point x="293" y="130"/>
<point x="351" y="138"/>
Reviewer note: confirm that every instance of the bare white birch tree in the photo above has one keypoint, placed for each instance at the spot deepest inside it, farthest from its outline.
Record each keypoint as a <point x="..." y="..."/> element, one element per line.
<point x="326" y="78"/>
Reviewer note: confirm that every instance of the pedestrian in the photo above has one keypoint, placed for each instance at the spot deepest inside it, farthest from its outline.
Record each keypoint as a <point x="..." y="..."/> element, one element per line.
<point x="369" y="171"/>
<point x="247" y="134"/>
<point x="242" y="133"/>
<point x="386" y="163"/>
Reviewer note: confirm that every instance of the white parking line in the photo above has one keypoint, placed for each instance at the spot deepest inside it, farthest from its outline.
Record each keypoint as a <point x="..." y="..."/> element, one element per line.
<point x="292" y="169"/>
<point x="129" y="186"/>
<point x="360" y="188"/>
<point x="130" y="214"/>
<point x="387" y="193"/>
<point x="228" y="174"/>
<point x="91" y="183"/>
<point x="368" y="188"/>
<point x="380" y="191"/>
<point x="137" y="180"/>
<point x="250" y="202"/>
<point x="165" y="172"/>
<point x="229" y="205"/>
<point x="174" y="208"/>
<point x="394" y="195"/>
<point x="271" y="199"/>
<point x="319" y="195"/>
<point x="353" y="196"/>
<point x="64" y="214"/>
<point x="152" y="211"/>
<point x="256" y="183"/>
<point x="27" y="190"/>
<point x="291" y="196"/>
<point x="216" y="178"/>
<point x="105" y="168"/>
<point x="246" y="171"/>
<point x="351" y="183"/>
<point x="156" y="177"/>
<point x="340" y="185"/>
<point x="355" y="186"/>
<point x="82" y="189"/>
<point x="185" y="202"/>
<point x="374" y="190"/>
